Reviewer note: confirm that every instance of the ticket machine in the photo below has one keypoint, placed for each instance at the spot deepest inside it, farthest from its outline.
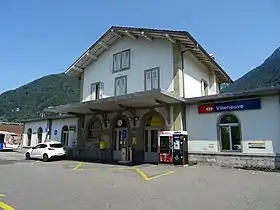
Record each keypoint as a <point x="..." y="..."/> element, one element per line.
<point x="180" y="147"/>
<point x="165" y="147"/>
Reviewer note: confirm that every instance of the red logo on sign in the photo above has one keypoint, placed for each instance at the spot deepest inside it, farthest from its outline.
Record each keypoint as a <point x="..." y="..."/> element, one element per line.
<point x="208" y="108"/>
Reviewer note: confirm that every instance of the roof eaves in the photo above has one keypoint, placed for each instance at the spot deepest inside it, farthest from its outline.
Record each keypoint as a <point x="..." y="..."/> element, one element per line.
<point x="70" y="70"/>
<point x="235" y="95"/>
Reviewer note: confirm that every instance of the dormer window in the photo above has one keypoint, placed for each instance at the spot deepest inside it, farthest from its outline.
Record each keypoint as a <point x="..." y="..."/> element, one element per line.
<point x="121" y="61"/>
<point x="204" y="88"/>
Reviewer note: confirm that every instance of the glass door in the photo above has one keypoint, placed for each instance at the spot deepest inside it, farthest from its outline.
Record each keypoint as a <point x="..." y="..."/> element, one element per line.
<point x="119" y="143"/>
<point x="151" y="145"/>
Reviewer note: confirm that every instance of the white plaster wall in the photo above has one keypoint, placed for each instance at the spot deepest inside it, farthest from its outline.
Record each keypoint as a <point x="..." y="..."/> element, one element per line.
<point x="257" y="125"/>
<point x="144" y="55"/>
<point x="34" y="126"/>
<point x="194" y="72"/>
<point x="58" y="124"/>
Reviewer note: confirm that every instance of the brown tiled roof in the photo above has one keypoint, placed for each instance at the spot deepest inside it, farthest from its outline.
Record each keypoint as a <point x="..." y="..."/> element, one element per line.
<point x="11" y="128"/>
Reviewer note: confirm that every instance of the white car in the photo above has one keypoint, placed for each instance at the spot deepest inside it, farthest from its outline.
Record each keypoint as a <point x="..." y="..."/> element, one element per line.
<point x="46" y="151"/>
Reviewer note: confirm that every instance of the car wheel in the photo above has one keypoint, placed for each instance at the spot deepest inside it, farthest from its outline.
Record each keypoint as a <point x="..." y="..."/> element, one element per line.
<point x="45" y="157"/>
<point x="27" y="156"/>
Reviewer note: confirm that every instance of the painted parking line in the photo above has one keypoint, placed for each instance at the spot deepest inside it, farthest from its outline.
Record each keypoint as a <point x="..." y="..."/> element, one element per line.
<point x="146" y="178"/>
<point x="5" y="206"/>
<point x="78" y="167"/>
<point x="37" y="161"/>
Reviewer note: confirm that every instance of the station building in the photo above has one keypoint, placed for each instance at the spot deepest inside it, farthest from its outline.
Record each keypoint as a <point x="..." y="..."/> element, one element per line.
<point x="136" y="82"/>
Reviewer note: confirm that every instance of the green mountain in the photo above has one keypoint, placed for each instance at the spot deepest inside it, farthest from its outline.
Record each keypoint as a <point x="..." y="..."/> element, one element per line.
<point x="265" y="75"/>
<point x="28" y="101"/>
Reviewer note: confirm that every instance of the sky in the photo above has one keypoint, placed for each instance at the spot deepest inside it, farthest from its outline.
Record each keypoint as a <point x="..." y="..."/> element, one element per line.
<point x="38" y="38"/>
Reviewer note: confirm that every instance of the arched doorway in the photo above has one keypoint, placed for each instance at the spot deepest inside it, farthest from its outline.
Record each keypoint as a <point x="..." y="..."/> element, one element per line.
<point x="40" y="135"/>
<point x="94" y="132"/>
<point x="153" y="123"/>
<point x="230" y="133"/>
<point x="120" y="136"/>
<point x="29" y="136"/>
<point x="64" y="135"/>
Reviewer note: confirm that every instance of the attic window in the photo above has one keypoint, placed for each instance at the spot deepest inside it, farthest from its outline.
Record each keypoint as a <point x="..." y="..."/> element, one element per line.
<point x="121" y="61"/>
<point x="204" y="88"/>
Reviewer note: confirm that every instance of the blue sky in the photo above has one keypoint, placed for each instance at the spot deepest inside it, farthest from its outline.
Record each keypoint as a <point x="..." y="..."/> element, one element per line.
<point x="38" y="38"/>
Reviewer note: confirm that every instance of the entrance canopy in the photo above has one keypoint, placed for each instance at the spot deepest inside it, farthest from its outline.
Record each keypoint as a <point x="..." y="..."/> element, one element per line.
<point x="138" y="100"/>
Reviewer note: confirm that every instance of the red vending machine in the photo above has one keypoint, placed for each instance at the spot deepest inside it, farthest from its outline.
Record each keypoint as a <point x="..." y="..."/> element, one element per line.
<point x="165" y="149"/>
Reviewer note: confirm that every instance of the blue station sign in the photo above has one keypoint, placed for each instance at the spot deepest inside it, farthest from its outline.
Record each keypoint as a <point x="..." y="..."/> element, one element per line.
<point x="230" y="106"/>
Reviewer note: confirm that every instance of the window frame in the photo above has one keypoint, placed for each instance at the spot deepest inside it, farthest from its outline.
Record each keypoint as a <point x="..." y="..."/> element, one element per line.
<point x="96" y="94"/>
<point x="65" y="130"/>
<point x="117" y="78"/>
<point x="203" y="83"/>
<point x="40" y="135"/>
<point x="29" y="133"/>
<point x="121" y="68"/>
<point x="229" y="126"/>
<point x="158" y="75"/>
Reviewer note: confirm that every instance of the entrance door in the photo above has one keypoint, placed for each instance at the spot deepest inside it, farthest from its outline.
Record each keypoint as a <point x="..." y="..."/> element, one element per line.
<point x="151" y="144"/>
<point x="119" y="142"/>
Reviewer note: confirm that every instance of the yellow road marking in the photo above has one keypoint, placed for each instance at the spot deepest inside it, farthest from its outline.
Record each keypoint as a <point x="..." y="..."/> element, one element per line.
<point x="78" y="167"/>
<point x="151" y="166"/>
<point x="5" y="206"/>
<point x="146" y="178"/>
<point x="37" y="161"/>
<point x="2" y="195"/>
<point x="161" y="175"/>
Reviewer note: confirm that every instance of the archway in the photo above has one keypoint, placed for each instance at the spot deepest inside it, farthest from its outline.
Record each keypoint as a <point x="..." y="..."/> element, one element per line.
<point x="40" y="135"/>
<point x="29" y="136"/>
<point x="152" y="123"/>
<point x="120" y="137"/>
<point x="94" y="132"/>
<point x="64" y="135"/>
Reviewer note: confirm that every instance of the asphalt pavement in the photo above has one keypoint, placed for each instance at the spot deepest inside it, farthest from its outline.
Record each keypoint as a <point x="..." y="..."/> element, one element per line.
<point x="28" y="185"/>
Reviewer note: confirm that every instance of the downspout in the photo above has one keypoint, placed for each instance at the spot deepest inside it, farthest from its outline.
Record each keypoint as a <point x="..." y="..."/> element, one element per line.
<point x="184" y="119"/>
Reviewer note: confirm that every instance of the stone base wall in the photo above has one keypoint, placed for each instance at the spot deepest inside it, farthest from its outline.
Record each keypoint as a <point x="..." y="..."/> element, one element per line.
<point x="237" y="160"/>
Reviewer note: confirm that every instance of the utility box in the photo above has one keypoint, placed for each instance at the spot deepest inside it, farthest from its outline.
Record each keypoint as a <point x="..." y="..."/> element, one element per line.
<point x="180" y="148"/>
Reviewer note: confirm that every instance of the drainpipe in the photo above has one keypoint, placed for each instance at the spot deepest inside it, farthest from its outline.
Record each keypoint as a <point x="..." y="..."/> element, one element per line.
<point x="183" y="77"/>
<point x="184" y="119"/>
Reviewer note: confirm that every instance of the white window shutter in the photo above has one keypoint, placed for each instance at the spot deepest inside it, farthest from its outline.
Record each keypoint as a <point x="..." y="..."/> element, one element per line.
<point x="93" y="91"/>
<point x="155" y="79"/>
<point x="101" y="91"/>
<point x="119" y="60"/>
<point x="118" y="84"/>
<point x="123" y="84"/>
<point x="148" y="80"/>
<point x="125" y="59"/>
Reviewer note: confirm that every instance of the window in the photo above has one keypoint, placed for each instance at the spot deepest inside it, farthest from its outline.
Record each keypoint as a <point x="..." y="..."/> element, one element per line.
<point x="94" y="130"/>
<point x="29" y="136"/>
<point x="204" y="88"/>
<point x="120" y="85"/>
<point x="56" y="145"/>
<point x="230" y="133"/>
<point x="40" y="135"/>
<point x="121" y="61"/>
<point x="64" y="135"/>
<point x="97" y="90"/>
<point x="151" y="79"/>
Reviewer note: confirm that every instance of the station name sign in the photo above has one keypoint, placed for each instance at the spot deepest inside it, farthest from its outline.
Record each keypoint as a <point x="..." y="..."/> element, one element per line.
<point x="230" y="106"/>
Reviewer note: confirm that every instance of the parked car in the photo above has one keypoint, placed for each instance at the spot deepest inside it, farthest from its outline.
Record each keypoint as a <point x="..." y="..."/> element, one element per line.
<point x="46" y="151"/>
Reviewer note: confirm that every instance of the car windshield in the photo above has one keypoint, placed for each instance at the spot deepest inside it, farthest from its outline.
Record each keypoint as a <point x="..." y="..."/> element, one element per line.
<point x="56" y="145"/>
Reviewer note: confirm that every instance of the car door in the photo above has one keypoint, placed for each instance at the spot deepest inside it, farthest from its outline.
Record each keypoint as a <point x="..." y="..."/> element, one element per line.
<point x="41" y="150"/>
<point x="34" y="151"/>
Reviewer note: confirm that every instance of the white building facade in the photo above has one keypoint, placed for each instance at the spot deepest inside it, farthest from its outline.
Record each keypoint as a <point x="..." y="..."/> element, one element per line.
<point x="136" y="82"/>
